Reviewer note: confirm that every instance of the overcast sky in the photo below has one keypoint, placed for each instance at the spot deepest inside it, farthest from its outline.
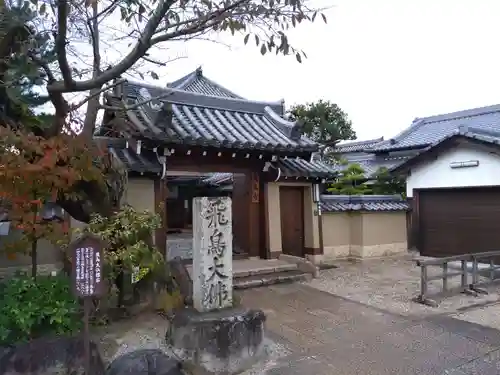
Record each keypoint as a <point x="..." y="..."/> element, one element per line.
<point x="384" y="62"/>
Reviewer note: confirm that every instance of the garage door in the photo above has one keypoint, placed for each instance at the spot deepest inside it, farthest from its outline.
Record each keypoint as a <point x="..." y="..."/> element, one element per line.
<point x="459" y="221"/>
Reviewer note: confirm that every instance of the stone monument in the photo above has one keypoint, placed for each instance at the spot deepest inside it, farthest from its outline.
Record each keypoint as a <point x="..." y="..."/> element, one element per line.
<point x="212" y="254"/>
<point x="214" y="337"/>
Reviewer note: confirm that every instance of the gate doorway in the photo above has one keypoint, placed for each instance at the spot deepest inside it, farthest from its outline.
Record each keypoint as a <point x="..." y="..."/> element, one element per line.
<point x="292" y="220"/>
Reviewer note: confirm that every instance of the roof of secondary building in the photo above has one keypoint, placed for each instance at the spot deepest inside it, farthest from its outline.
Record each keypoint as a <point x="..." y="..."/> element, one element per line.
<point x="297" y="167"/>
<point x="182" y="117"/>
<point x="197" y="82"/>
<point x="288" y="168"/>
<point x="472" y="135"/>
<point x="371" y="163"/>
<point x="343" y="203"/>
<point x="356" y="146"/>
<point x="428" y="130"/>
<point x="217" y="179"/>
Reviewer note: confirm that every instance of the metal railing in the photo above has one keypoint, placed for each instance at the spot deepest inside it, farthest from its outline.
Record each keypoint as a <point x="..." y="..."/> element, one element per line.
<point x="472" y="279"/>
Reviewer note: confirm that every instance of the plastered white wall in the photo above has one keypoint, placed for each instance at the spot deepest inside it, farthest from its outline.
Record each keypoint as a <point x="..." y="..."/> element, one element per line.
<point x="439" y="174"/>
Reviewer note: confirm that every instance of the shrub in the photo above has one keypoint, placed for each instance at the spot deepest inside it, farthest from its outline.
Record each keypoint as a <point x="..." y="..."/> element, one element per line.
<point x="31" y="308"/>
<point x="129" y="235"/>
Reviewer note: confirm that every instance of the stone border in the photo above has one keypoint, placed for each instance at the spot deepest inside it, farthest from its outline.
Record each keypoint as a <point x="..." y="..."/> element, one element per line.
<point x="302" y="264"/>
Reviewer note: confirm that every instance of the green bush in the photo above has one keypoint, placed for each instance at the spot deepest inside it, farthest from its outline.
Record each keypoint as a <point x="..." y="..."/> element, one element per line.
<point x="31" y="308"/>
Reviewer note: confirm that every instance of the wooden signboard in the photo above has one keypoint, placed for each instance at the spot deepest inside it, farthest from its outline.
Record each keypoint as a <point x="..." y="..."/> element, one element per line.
<point x="255" y="187"/>
<point x="87" y="254"/>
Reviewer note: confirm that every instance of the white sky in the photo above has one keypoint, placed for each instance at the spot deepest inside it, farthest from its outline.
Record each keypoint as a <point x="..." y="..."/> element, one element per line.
<point x="384" y="62"/>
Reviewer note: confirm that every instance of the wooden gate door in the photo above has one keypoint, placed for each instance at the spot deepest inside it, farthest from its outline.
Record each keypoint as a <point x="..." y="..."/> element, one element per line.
<point x="292" y="220"/>
<point x="459" y="221"/>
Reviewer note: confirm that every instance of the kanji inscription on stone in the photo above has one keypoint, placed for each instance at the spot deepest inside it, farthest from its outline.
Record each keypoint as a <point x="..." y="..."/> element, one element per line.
<point x="212" y="253"/>
<point x="87" y="266"/>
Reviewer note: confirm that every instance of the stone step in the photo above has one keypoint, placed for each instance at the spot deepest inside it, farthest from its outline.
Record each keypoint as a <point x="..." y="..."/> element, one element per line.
<point x="267" y="279"/>
<point x="261" y="267"/>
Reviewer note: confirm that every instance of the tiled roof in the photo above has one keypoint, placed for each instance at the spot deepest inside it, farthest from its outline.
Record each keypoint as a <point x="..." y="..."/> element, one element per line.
<point x="472" y="134"/>
<point x="197" y="82"/>
<point x="297" y="167"/>
<point x="218" y="179"/>
<point x="428" y="130"/>
<point x="356" y="146"/>
<point x="189" y="118"/>
<point x="146" y="162"/>
<point x="289" y="167"/>
<point x="343" y="203"/>
<point x="371" y="163"/>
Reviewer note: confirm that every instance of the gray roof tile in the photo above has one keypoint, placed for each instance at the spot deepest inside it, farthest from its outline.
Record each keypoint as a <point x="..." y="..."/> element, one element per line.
<point x="211" y="121"/>
<point x="343" y="203"/>
<point x="428" y="130"/>
<point x="197" y="82"/>
<point x="371" y="162"/>
<point x="356" y="146"/>
<point x="289" y="167"/>
<point x="297" y="167"/>
<point x="146" y="162"/>
<point x="474" y="134"/>
<point x="217" y="179"/>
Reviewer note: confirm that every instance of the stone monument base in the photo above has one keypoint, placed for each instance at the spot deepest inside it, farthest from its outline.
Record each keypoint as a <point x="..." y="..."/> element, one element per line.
<point x="226" y="341"/>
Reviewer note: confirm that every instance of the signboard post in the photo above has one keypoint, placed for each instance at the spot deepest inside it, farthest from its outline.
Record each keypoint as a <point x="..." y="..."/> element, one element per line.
<point x="87" y="258"/>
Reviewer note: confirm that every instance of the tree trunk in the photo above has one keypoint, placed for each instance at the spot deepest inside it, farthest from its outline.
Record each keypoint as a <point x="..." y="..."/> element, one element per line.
<point x="34" y="258"/>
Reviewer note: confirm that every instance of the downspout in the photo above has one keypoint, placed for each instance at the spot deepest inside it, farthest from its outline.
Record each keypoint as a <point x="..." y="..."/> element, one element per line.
<point x="320" y="229"/>
<point x="317" y="196"/>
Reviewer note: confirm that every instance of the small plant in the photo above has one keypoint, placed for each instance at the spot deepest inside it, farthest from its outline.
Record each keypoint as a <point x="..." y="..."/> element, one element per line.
<point x="130" y="253"/>
<point x="32" y="308"/>
<point x="129" y="234"/>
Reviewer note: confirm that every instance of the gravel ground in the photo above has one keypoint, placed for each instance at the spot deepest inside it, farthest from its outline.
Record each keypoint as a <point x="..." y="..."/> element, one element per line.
<point x="390" y="285"/>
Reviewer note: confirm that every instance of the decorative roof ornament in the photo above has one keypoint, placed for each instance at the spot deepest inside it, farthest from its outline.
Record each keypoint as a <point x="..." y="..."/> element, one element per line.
<point x="145" y="95"/>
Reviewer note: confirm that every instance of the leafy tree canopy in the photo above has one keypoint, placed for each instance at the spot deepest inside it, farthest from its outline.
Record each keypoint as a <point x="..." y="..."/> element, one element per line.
<point x="351" y="181"/>
<point x="387" y="184"/>
<point x="324" y="122"/>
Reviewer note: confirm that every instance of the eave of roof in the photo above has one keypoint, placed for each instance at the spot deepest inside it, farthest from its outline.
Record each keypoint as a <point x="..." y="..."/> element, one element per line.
<point x="145" y="163"/>
<point x="473" y="136"/>
<point x="298" y="167"/>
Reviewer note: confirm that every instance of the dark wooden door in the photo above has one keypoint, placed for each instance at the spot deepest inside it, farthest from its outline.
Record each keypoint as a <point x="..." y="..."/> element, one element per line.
<point x="292" y="220"/>
<point x="459" y="221"/>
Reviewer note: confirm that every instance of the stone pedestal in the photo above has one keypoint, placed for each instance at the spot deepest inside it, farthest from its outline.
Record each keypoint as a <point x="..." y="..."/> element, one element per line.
<point x="226" y="341"/>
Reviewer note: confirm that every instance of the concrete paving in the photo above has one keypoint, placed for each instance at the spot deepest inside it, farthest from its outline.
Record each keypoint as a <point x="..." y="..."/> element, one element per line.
<point x="330" y="334"/>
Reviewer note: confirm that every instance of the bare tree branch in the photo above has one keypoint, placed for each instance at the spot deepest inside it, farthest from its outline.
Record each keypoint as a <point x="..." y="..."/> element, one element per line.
<point x="60" y="42"/>
<point x="96" y="93"/>
<point x="141" y="47"/>
<point x="93" y="100"/>
<point x="137" y="104"/>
